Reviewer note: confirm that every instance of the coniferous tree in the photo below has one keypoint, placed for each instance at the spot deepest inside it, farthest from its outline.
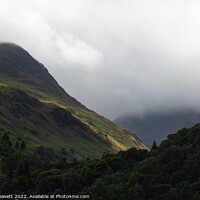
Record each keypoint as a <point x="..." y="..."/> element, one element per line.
<point x="23" y="145"/>
<point x="154" y="146"/>
<point x="17" y="145"/>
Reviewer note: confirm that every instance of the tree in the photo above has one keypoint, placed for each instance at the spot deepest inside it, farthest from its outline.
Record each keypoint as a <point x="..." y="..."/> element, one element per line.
<point x="6" y="139"/>
<point x="154" y="146"/>
<point x="17" y="145"/>
<point x="23" y="145"/>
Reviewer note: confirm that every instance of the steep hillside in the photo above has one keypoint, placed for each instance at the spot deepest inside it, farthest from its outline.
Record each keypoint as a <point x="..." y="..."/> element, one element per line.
<point x="20" y="70"/>
<point x="156" y="126"/>
<point x="47" y="126"/>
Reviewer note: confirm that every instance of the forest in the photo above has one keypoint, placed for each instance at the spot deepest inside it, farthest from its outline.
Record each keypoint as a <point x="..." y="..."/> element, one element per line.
<point x="169" y="171"/>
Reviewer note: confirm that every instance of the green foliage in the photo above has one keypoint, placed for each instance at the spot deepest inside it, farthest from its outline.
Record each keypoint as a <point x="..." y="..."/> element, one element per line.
<point x="49" y="184"/>
<point x="169" y="172"/>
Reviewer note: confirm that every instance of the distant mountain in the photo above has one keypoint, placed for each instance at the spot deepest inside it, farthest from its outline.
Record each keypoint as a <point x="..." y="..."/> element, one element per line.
<point x="157" y="126"/>
<point x="36" y="110"/>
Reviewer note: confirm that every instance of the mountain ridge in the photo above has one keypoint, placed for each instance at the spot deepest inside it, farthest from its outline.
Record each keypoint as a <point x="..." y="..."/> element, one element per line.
<point x="20" y="69"/>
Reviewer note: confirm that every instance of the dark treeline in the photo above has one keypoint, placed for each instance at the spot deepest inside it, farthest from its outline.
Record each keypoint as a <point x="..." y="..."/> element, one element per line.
<point x="168" y="172"/>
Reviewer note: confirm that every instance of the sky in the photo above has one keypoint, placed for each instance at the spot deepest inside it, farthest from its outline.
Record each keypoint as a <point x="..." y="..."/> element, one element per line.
<point x="116" y="57"/>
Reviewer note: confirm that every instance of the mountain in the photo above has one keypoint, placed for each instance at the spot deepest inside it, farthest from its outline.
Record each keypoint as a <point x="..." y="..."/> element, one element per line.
<point x="35" y="110"/>
<point x="168" y="172"/>
<point x="156" y="126"/>
<point x="19" y="69"/>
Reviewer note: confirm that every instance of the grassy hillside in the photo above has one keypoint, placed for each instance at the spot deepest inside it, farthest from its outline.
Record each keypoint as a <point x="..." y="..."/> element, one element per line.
<point x="19" y="69"/>
<point x="119" y="137"/>
<point x="47" y="126"/>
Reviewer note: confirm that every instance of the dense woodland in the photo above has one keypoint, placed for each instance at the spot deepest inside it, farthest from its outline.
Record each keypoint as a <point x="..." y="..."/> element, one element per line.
<point x="168" y="172"/>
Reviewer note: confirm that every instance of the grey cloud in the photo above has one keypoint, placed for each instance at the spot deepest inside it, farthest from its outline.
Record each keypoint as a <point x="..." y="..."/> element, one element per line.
<point x="116" y="57"/>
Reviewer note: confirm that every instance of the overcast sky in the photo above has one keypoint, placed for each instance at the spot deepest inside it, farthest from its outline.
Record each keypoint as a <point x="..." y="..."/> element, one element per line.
<point x="114" y="56"/>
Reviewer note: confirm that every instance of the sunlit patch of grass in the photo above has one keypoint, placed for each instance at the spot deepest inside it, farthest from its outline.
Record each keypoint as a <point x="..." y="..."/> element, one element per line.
<point x="114" y="132"/>
<point x="53" y="102"/>
<point x="94" y="123"/>
<point x="4" y="85"/>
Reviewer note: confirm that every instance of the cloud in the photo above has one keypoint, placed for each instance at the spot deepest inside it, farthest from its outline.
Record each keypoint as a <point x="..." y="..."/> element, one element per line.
<point x="116" y="57"/>
<point x="77" y="53"/>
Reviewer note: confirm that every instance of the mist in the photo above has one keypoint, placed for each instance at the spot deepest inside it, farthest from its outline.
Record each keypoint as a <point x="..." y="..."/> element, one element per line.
<point x="115" y="57"/>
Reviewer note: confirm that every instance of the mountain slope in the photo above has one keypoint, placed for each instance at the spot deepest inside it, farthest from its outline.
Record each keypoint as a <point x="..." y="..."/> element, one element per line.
<point x="156" y="126"/>
<point x="19" y="70"/>
<point x="48" y="126"/>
